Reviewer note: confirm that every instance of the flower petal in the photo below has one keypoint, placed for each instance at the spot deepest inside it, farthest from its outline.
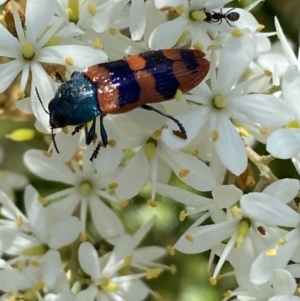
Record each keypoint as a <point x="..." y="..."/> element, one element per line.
<point x="284" y="143"/>
<point x="81" y="56"/>
<point x="264" y="265"/>
<point x="284" y="190"/>
<point x="88" y="259"/>
<point x="188" y="168"/>
<point x="241" y="50"/>
<point x="166" y="35"/>
<point x="137" y="25"/>
<point x="229" y="145"/>
<point x="269" y="210"/>
<point x="205" y="237"/>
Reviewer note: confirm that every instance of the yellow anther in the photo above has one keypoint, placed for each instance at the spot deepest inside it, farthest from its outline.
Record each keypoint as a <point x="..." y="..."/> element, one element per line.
<point x="69" y="61"/>
<point x="213" y="47"/>
<point x="112" y="143"/>
<point x="189" y="237"/>
<point x="180" y="9"/>
<point x="157" y="134"/>
<point x="65" y="130"/>
<point x="92" y="7"/>
<point x="264" y="130"/>
<point x="42" y="200"/>
<point x="19" y="221"/>
<point x="178" y="94"/>
<point x="237" y="33"/>
<point x="112" y="31"/>
<point x="260" y="27"/>
<point x="282" y="241"/>
<point x="198" y="46"/>
<point x="47" y="154"/>
<point x="97" y="44"/>
<point x="196" y="152"/>
<point x="197" y="15"/>
<point x="183" y="173"/>
<point x="125" y="203"/>
<point x="271" y="252"/>
<point x="171" y="250"/>
<point x="227" y="294"/>
<point x="173" y="269"/>
<point x="21" y="94"/>
<point x="182" y="215"/>
<point x="113" y="186"/>
<point x="267" y="73"/>
<point x="153" y="273"/>
<point x="39" y="285"/>
<point x="235" y="211"/>
<point x="83" y="237"/>
<point x="128" y="260"/>
<point x="244" y="132"/>
<point x="152" y="203"/>
<point x="214" y="136"/>
<point x="35" y="263"/>
<point x="213" y="281"/>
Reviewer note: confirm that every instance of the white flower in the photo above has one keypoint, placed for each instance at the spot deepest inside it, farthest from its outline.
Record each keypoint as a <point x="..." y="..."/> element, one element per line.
<point x="97" y="15"/>
<point x="270" y="207"/>
<point x="224" y="103"/>
<point x="154" y="160"/>
<point x="45" y="277"/>
<point x="285" y="143"/>
<point x="44" y="227"/>
<point x="193" y="18"/>
<point x="106" y="283"/>
<point x="88" y="189"/>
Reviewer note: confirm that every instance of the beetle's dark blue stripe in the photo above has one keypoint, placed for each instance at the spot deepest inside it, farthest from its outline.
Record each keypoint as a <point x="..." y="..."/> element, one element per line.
<point x="124" y="78"/>
<point x="188" y="57"/>
<point x="160" y="68"/>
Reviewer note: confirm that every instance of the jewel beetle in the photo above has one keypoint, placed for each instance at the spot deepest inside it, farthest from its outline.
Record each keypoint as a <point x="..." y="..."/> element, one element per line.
<point x="123" y="85"/>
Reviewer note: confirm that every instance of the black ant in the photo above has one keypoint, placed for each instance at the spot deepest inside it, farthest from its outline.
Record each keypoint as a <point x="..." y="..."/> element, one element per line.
<point x="214" y="17"/>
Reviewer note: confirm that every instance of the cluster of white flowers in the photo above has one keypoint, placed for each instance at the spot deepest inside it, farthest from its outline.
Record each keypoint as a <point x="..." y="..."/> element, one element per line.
<point x="72" y="245"/>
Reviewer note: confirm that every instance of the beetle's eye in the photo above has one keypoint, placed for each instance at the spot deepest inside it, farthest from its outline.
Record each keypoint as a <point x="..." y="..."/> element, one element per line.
<point x="57" y="121"/>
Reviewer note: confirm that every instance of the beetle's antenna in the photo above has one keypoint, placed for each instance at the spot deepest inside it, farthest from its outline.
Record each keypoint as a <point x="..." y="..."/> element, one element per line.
<point x="53" y="139"/>
<point x="40" y="100"/>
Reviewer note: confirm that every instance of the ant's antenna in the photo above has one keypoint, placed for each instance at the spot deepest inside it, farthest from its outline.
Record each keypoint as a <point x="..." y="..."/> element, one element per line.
<point x="40" y="100"/>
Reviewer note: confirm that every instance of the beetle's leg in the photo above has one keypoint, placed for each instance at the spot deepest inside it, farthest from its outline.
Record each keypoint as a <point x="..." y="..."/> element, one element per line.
<point x="181" y="133"/>
<point x="103" y="132"/>
<point x="103" y="141"/>
<point x="77" y="129"/>
<point x="90" y="134"/>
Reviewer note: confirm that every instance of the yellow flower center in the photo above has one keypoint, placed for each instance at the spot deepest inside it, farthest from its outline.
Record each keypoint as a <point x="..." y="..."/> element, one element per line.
<point x="28" y="51"/>
<point x="85" y="188"/>
<point x="73" y="11"/>
<point x="36" y="250"/>
<point x="219" y="102"/>
<point x="150" y="149"/>
<point x="197" y="15"/>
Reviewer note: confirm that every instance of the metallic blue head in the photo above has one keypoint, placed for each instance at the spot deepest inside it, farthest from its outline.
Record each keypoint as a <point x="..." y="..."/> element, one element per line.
<point x="75" y="102"/>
